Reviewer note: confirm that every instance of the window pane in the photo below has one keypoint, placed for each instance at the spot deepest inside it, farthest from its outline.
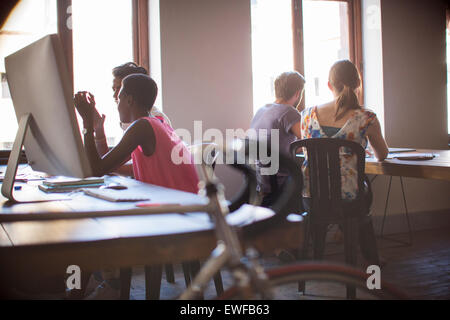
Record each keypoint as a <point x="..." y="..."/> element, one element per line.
<point x="272" y="50"/>
<point x="30" y="21"/>
<point x="102" y="40"/>
<point x="326" y="40"/>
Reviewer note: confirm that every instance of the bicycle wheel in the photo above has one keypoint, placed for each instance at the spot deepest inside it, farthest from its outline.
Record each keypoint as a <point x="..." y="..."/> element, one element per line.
<point x="336" y="274"/>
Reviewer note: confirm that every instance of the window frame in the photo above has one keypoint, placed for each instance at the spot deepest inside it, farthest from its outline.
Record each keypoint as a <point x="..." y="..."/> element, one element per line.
<point x="141" y="39"/>
<point x="355" y="38"/>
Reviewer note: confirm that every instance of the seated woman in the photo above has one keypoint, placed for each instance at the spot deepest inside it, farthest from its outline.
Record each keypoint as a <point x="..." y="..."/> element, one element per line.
<point x="148" y="140"/>
<point x="344" y="118"/>
<point x="119" y="73"/>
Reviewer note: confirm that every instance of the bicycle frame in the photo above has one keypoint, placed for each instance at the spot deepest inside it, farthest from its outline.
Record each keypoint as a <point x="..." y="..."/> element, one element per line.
<point x="228" y="251"/>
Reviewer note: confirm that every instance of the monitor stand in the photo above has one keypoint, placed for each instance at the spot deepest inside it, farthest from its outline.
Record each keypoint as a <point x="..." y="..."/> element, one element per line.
<point x="13" y="163"/>
<point x="14" y="157"/>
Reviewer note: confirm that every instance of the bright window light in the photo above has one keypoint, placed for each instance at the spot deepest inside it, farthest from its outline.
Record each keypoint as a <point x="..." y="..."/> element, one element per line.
<point x="102" y="40"/>
<point x="272" y="50"/>
<point x="326" y="40"/>
<point x="30" y="21"/>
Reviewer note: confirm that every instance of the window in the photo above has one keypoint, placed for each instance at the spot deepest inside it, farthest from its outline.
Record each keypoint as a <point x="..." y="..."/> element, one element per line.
<point x="97" y="35"/>
<point x="326" y="40"/>
<point x="304" y="35"/>
<point x="30" y="21"/>
<point x="102" y="40"/>
<point x="272" y="51"/>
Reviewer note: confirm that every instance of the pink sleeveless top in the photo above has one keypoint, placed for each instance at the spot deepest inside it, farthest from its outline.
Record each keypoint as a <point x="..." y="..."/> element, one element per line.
<point x="162" y="168"/>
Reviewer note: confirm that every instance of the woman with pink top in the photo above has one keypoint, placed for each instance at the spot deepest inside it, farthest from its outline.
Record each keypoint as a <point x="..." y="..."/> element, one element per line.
<point x="149" y="140"/>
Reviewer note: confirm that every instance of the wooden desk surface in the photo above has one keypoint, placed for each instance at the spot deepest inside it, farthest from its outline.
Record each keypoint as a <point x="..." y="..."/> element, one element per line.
<point x="437" y="168"/>
<point x="50" y="246"/>
<point x="78" y="202"/>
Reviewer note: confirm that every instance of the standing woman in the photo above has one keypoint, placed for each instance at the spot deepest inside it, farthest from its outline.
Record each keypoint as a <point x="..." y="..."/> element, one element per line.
<point x="345" y="118"/>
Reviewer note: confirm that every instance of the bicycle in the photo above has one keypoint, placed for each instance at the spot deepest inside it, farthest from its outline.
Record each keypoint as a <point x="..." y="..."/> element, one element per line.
<point x="250" y="279"/>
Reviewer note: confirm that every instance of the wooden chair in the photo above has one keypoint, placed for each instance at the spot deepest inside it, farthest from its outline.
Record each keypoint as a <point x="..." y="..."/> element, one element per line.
<point x="205" y="152"/>
<point x="327" y="206"/>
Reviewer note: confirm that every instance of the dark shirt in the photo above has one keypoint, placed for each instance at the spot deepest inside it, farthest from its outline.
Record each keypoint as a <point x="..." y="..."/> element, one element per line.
<point x="280" y="117"/>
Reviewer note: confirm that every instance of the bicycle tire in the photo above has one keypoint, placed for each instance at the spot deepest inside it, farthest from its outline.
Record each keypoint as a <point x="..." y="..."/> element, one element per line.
<point x="322" y="272"/>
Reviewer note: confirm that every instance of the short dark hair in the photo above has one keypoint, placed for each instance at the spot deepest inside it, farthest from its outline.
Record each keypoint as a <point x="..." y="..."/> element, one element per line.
<point x="287" y="84"/>
<point x="142" y="88"/>
<point x="128" y="68"/>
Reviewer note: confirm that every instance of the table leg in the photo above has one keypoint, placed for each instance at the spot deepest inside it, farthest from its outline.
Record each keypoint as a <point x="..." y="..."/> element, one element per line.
<point x="409" y="243"/>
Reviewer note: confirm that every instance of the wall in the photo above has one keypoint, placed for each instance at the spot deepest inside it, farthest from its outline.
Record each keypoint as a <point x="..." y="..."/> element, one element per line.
<point x="206" y="66"/>
<point x="415" y="73"/>
<point x="414" y="102"/>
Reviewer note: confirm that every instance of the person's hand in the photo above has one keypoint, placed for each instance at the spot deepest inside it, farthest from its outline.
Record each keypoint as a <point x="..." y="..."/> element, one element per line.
<point x="99" y="120"/>
<point x="85" y="105"/>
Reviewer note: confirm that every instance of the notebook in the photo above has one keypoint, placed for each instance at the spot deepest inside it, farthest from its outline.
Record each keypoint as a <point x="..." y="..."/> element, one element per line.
<point x="114" y="195"/>
<point x="66" y="188"/>
<point x="68" y="181"/>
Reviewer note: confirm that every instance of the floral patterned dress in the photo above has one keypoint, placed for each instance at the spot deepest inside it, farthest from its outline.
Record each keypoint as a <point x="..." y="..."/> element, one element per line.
<point x="355" y="129"/>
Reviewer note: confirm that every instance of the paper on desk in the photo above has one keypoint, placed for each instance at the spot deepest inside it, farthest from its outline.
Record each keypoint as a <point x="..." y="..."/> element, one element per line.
<point x="26" y="174"/>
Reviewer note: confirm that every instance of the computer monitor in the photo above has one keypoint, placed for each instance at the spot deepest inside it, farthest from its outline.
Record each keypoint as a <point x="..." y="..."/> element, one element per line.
<point x="41" y="91"/>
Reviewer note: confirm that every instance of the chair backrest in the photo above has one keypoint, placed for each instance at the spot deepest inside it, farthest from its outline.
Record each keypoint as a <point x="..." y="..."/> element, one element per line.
<point x="325" y="173"/>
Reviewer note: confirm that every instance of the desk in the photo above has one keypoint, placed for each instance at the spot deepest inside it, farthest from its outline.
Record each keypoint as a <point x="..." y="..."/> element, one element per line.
<point x="48" y="247"/>
<point x="437" y="168"/>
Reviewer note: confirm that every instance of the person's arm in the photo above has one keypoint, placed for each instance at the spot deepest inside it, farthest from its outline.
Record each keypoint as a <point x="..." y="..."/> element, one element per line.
<point x="290" y="122"/>
<point x="125" y="170"/>
<point x="296" y="130"/>
<point x="139" y="134"/>
<point x="100" y="138"/>
<point x="377" y="141"/>
<point x="99" y="131"/>
<point x="102" y="145"/>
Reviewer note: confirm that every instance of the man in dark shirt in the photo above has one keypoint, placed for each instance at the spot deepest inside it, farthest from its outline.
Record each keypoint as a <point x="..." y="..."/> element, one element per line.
<point x="282" y="115"/>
